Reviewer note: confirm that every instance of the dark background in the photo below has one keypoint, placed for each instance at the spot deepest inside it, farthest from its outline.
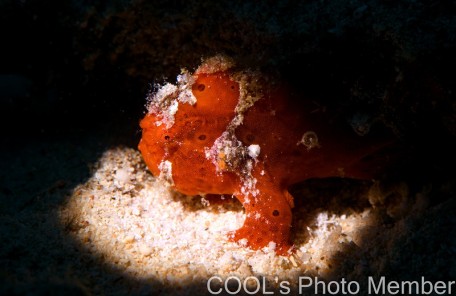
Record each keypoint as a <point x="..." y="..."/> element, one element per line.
<point x="71" y="66"/>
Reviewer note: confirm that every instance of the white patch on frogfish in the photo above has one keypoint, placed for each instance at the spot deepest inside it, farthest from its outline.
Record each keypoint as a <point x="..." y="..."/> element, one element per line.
<point x="165" y="101"/>
<point x="166" y="172"/>
<point x="185" y="82"/>
<point x="254" y="151"/>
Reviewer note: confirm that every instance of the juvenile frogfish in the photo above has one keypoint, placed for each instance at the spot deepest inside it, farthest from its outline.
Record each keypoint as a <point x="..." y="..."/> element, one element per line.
<point x="225" y="131"/>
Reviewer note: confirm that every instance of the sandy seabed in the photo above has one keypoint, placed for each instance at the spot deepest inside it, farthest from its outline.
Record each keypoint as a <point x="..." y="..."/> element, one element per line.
<point x="142" y="227"/>
<point x="123" y="231"/>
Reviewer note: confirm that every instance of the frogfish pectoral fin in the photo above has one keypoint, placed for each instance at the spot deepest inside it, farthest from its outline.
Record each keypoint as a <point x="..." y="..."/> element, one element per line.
<point x="268" y="221"/>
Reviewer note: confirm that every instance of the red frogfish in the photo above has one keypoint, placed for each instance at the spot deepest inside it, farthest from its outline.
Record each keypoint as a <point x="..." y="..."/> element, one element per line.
<point x="226" y="131"/>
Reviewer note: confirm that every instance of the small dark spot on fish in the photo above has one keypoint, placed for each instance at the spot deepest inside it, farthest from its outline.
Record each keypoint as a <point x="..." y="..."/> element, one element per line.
<point x="201" y="87"/>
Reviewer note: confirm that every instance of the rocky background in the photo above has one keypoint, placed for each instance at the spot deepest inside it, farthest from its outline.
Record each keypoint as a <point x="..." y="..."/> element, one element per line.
<point x="74" y="75"/>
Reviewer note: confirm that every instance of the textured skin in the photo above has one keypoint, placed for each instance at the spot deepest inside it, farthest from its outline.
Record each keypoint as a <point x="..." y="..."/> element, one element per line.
<point x="276" y="123"/>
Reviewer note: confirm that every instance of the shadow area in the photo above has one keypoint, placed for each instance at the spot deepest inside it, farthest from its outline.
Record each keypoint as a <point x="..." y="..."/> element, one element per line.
<point x="333" y="196"/>
<point x="38" y="174"/>
<point x="415" y="244"/>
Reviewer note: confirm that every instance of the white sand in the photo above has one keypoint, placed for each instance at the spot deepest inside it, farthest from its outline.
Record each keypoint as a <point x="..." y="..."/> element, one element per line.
<point x="122" y="232"/>
<point x="145" y="229"/>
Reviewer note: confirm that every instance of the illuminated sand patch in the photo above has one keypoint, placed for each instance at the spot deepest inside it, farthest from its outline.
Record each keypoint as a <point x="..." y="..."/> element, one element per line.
<point x="142" y="228"/>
